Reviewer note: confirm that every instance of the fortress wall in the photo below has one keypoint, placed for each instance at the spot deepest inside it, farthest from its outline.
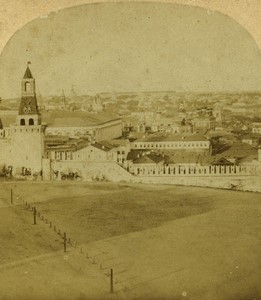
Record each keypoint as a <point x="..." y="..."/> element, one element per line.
<point x="191" y="171"/>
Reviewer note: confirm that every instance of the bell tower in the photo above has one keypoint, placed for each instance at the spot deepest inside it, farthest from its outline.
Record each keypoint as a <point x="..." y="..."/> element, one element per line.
<point x="28" y="114"/>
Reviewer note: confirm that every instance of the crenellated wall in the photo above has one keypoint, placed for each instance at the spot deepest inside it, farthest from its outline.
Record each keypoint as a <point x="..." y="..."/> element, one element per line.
<point x="174" y="170"/>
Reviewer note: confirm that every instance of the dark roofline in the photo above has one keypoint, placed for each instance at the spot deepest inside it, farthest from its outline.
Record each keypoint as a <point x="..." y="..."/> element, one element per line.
<point x="28" y="73"/>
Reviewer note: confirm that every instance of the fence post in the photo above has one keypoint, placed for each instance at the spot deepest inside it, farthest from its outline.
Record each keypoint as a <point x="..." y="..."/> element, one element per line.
<point x="111" y="281"/>
<point x="12" y="196"/>
<point x="64" y="241"/>
<point x="34" y="215"/>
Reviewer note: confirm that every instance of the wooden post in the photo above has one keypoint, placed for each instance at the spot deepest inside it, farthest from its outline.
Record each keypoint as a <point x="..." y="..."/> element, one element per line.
<point x="111" y="281"/>
<point x="34" y="215"/>
<point x="12" y="196"/>
<point x="64" y="241"/>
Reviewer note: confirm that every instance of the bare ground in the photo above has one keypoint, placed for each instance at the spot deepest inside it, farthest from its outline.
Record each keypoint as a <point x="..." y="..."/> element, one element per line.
<point x="163" y="242"/>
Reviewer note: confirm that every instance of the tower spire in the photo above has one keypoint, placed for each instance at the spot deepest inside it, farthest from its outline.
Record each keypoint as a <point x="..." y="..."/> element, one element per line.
<point x="28" y="73"/>
<point x="28" y="104"/>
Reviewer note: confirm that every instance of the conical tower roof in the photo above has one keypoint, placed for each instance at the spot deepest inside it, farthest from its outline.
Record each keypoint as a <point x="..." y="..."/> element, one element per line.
<point x="28" y="73"/>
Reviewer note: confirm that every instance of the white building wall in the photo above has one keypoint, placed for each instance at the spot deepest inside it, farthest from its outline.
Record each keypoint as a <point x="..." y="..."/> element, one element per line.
<point x="27" y="148"/>
<point x="204" y="145"/>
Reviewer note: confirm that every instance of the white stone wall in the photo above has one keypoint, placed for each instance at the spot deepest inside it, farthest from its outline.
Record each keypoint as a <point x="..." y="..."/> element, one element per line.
<point x="190" y="171"/>
<point x="108" y="171"/>
<point x="5" y="150"/>
<point x="27" y="148"/>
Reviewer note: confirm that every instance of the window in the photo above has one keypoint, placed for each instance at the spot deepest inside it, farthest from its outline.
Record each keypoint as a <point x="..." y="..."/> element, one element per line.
<point x="27" y="86"/>
<point x="31" y="121"/>
<point x="22" y="122"/>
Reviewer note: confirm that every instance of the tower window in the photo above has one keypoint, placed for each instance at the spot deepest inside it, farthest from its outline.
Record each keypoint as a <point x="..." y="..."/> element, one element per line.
<point x="25" y="109"/>
<point x="28" y="86"/>
<point x="29" y="109"/>
<point x="31" y="121"/>
<point x="22" y="122"/>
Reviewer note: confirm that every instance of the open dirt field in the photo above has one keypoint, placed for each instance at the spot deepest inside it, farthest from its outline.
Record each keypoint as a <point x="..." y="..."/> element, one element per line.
<point x="163" y="242"/>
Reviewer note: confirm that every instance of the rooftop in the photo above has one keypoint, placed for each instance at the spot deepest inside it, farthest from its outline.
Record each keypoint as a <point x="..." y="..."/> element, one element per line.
<point x="76" y="118"/>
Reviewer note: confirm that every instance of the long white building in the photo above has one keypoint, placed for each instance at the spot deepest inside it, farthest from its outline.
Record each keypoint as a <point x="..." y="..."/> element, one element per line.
<point x="173" y="142"/>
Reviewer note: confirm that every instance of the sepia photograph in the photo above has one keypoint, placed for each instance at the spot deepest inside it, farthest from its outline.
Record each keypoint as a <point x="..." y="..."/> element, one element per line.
<point x="130" y="150"/>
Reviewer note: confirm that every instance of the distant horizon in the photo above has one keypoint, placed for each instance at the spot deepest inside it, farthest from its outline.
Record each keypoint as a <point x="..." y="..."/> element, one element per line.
<point x="143" y="92"/>
<point x="140" y="47"/>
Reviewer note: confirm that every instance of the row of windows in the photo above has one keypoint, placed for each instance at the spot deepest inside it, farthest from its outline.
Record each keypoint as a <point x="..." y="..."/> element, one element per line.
<point x="57" y="132"/>
<point x="31" y="122"/>
<point x="27" y="109"/>
<point x="67" y="155"/>
<point x="175" y="145"/>
<point x="120" y="152"/>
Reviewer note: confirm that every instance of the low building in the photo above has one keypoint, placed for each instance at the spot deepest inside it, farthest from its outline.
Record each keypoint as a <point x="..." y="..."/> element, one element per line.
<point x="79" y="150"/>
<point x="256" y="127"/>
<point x="203" y="122"/>
<point x="145" y="162"/>
<point x="177" y="142"/>
<point x="251" y="140"/>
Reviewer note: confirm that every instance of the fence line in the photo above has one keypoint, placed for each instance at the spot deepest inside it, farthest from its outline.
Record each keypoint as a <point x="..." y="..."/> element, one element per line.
<point x="68" y="241"/>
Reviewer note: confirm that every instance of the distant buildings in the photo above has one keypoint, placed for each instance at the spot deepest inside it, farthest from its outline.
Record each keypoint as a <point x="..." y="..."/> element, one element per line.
<point x="75" y="135"/>
<point x="92" y="104"/>
<point x="256" y="127"/>
<point x="204" y="123"/>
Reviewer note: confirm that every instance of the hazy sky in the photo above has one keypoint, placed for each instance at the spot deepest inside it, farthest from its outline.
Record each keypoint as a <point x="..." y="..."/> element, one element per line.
<point x="132" y="47"/>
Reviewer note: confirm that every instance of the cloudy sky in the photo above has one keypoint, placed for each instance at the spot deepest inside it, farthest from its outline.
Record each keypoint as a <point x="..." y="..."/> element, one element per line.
<point x="133" y="47"/>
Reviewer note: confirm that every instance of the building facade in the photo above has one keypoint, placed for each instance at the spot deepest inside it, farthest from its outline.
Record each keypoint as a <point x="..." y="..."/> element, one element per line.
<point x="174" y="142"/>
